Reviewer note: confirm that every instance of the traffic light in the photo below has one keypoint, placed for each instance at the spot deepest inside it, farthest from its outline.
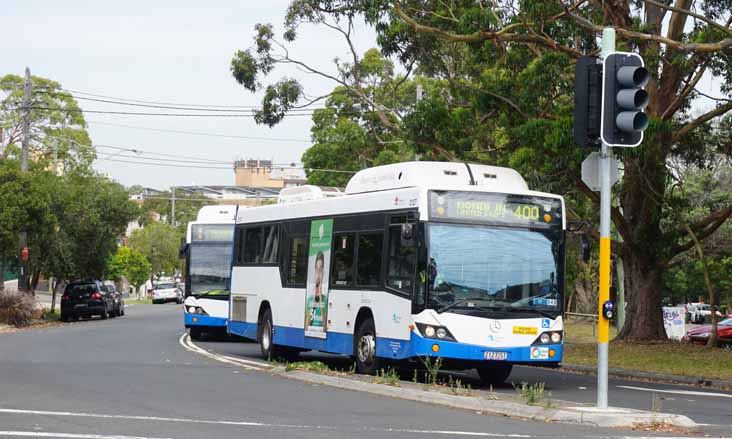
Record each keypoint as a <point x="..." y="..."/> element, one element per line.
<point x="623" y="99"/>
<point x="587" y="100"/>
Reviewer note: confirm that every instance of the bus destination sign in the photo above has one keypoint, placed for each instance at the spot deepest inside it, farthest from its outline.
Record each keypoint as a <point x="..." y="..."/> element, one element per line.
<point x="212" y="233"/>
<point x="502" y="209"/>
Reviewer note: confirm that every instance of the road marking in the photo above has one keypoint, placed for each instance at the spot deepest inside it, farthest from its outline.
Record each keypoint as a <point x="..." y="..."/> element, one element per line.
<point x="186" y="342"/>
<point x="206" y="421"/>
<point x="678" y="392"/>
<point x="67" y="435"/>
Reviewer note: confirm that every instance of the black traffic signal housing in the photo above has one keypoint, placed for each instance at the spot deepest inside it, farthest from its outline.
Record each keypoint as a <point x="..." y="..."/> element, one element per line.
<point x="623" y="99"/>
<point x="587" y="100"/>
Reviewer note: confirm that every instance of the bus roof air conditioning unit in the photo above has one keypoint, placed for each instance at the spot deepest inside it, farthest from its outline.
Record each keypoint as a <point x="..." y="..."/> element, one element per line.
<point x="443" y="175"/>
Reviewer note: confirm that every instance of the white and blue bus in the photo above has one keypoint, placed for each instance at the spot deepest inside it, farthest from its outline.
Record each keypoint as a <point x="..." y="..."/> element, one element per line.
<point x="207" y="254"/>
<point x="422" y="259"/>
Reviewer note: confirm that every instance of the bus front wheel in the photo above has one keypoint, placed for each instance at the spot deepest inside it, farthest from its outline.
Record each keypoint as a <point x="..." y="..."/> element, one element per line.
<point x="365" y="348"/>
<point x="271" y="351"/>
<point x="494" y="374"/>
<point x="195" y="333"/>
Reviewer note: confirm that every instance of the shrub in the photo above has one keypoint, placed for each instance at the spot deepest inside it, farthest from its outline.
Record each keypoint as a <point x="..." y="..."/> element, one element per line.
<point x="16" y="308"/>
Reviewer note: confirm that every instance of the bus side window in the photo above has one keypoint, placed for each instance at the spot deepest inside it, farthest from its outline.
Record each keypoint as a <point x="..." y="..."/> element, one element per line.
<point x="368" y="272"/>
<point x="401" y="265"/>
<point x="271" y="244"/>
<point x="238" y="246"/>
<point x="297" y="269"/>
<point x="343" y="256"/>
<point x="253" y="246"/>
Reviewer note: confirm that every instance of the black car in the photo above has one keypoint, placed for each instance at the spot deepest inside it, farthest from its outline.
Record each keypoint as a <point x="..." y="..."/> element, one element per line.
<point x="86" y="299"/>
<point x="119" y="303"/>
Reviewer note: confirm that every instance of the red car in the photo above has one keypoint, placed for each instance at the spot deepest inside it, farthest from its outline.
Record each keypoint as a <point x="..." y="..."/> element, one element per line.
<point x="700" y="335"/>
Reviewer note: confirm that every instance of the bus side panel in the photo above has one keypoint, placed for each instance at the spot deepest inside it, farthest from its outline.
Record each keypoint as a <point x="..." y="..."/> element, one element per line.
<point x="392" y="317"/>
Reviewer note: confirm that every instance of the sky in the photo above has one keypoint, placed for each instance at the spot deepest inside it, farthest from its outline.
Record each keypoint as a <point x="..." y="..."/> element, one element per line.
<point x="169" y="51"/>
<point x="175" y="51"/>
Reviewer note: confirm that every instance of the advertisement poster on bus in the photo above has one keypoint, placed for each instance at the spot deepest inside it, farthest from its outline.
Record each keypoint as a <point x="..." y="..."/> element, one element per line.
<point x="316" y="293"/>
<point x="673" y="322"/>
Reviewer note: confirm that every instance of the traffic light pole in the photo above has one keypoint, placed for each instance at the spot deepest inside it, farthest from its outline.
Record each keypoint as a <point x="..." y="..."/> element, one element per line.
<point x="603" y="330"/>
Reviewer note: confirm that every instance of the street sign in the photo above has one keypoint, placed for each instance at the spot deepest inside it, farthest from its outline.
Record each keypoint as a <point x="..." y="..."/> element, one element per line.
<point x="591" y="171"/>
<point x="623" y="99"/>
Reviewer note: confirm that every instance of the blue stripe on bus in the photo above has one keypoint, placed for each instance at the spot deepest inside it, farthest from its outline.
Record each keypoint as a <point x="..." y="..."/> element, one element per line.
<point x="342" y="343"/>
<point x="203" y="320"/>
<point x="421" y="346"/>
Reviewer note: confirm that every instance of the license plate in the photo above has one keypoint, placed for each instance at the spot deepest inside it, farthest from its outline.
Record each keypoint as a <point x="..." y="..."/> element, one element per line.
<point x="493" y="355"/>
<point x="80" y="305"/>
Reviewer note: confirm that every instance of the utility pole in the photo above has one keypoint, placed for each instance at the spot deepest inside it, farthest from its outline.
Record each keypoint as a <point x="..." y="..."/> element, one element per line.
<point x="603" y="330"/>
<point x="23" y="244"/>
<point x="172" y="208"/>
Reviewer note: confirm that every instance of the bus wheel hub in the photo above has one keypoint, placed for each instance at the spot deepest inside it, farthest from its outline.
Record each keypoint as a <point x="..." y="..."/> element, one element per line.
<point x="366" y="349"/>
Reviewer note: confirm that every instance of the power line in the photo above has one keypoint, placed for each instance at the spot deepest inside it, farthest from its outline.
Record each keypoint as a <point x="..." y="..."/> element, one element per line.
<point x="132" y="113"/>
<point x="197" y="133"/>
<point x="214" y="108"/>
<point x="154" y="102"/>
<point x="167" y="165"/>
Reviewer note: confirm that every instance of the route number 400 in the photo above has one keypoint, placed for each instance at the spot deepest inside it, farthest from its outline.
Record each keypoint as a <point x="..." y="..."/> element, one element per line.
<point x="527" y="212"/>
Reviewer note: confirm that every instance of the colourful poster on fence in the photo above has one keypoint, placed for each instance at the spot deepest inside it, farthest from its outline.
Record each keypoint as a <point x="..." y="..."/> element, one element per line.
<point x="316" y="293"/>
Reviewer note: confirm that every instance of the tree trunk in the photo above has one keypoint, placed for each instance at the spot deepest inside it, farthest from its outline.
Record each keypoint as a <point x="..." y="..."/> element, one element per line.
<point x="54" y="289"/>
<point x="2" y="273"/>
<point x="643" y="298"/>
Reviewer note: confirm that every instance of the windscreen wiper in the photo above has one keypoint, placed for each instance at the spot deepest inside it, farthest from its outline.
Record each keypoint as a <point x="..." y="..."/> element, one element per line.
<point x="456" y="303"/>
<point x="531" y="310"/>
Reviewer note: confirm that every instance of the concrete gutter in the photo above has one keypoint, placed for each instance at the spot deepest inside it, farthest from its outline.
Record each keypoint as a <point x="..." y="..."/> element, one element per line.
<point x="567" y="413"/>
<point x="651" y="376"/>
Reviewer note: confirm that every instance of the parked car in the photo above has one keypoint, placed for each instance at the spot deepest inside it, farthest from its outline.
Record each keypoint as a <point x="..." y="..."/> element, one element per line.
<point x="86" y="299"/>
<point x="119" y="303"/>
<point x="700" y="334"/>
<point x="700" y="312"/>
<point x="164" y="292"/>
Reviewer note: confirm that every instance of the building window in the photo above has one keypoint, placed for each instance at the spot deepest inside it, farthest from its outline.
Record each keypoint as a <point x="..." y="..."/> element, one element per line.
<point x="343" y="255"/>
<point x="369" y="259"/>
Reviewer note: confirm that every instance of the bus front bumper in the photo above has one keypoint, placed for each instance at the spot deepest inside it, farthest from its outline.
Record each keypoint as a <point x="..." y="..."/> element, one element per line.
<point x="203" y="320"/>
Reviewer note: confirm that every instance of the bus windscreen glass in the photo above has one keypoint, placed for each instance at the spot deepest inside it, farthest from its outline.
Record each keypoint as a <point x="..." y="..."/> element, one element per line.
<point x="500" y="209"/>
<point x="474" y="268"/>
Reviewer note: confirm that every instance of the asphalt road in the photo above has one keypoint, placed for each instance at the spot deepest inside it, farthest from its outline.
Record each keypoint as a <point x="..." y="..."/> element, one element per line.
<point x="130" y="378"/>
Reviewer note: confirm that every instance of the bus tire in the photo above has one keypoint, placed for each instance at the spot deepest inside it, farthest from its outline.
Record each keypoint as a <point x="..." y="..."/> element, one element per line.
<point x="364" y="344"/>
<point x="195" y="332"/>
<point x="494" y="374"/>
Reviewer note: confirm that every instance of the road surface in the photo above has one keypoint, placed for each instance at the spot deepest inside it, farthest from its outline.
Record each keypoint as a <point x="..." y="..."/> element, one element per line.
<point x="130" y="378"/>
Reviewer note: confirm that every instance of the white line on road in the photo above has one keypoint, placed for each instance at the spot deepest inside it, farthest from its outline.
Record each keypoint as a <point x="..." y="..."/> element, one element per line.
<point x="67" y="435"/>
<point x="232" y="423"/>
<point x="186" y="342"/>
<point x="678" y="392"/>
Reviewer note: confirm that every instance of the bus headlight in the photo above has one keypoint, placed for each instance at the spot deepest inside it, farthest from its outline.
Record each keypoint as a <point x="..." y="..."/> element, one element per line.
<point x="556" y="337"/>
<point x="435" y="332"/>
<point x="191" y="309"/>
<point x="552" y="337"/>
<point x="545" y="338"/>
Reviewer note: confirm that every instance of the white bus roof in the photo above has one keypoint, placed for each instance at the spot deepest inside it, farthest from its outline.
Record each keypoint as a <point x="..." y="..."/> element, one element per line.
<point x="397" y="187"/>
<point x="214" y="214"/>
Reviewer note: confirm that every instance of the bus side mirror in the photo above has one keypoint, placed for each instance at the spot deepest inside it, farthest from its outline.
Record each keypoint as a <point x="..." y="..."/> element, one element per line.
<point x="407" y="234"/>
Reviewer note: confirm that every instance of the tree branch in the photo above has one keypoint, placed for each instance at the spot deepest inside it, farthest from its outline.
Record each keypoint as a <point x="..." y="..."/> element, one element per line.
<point x="478" y="36"/>
<point x="704" y="118"/>
<point x="691" y="14"/>
<point x="639" y="36"/>
<point x="706" y="226"/>
<point x="676" y="104"/>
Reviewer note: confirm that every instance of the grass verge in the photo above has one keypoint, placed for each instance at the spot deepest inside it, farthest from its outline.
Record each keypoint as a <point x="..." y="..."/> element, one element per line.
<point x="138" y="302"/>
<point x="675" y="358"/>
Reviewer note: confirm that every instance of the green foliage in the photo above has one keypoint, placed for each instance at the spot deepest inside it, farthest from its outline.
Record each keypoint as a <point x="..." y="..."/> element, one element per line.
<point x="131" y="264"/>
<point x="390" y="377"/>
<point x="532" y="394"/>
<point x="159" y="243"/>
<point x="56" y="122"/>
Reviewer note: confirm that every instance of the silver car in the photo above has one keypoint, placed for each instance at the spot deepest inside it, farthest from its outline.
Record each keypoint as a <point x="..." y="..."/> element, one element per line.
<point x="167" y="292"/>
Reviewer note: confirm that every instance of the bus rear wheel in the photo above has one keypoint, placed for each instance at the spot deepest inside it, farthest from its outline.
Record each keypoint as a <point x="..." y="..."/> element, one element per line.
<point x="365" y="348"/>
<point x="494" y="374"/>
